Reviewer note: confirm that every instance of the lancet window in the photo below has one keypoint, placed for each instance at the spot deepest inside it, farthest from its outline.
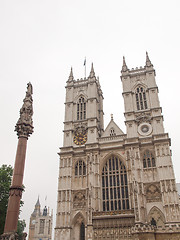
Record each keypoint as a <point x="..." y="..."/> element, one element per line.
<point x="82" y="231"/>
<point x="141" y="100"/>
<point x="112" y="132"/>
<point x="114" y="185"/>
<point x="81" y="109"/>
<point x="80" y="168"/>
<point x="148" y="160"/>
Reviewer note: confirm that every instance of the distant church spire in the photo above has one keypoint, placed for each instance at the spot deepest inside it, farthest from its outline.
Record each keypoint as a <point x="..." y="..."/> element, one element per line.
<point x="37" y="203"/>
<point x="124" y="66"/>
<point x="92" y="73"/>
<point x="148" y="62"/>
<point x="71" y="77"/>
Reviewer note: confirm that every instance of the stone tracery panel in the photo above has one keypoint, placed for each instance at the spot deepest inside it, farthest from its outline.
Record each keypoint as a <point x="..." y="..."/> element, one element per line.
<point x="153" y="193"/>
<point x="79" y="199"/>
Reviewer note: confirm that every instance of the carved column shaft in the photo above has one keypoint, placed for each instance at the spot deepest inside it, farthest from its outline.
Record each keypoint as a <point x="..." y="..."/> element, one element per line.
<point x="16" y="188"/>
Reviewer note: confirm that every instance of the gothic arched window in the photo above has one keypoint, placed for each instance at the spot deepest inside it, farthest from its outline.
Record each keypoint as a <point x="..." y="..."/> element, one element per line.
<point x="81" y="109"/>
<point x="148" y="160"/>
<point x="114" y="185"/>
<point x="80" y="168"/>
<point x="141" y="100"/>
<point x="82" y="231"/>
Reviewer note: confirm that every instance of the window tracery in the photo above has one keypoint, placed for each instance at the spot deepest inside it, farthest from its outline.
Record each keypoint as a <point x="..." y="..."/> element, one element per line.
<point x="114" y="185"/>
<point x="148" y="160"/>
<point x="80" y="168"/>
<point x="141" y="100"/>
<point x="81" y="109"/>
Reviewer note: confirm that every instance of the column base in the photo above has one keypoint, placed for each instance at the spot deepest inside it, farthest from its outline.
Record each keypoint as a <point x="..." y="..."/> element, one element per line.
<point x="13" y="236"/>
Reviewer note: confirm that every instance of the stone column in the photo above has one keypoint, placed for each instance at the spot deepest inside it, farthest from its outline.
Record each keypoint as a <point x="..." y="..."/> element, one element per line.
<point x="24" y="128"/>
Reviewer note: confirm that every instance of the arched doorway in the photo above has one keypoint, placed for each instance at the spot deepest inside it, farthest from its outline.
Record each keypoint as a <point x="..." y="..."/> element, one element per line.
<point x="78" y="227"/>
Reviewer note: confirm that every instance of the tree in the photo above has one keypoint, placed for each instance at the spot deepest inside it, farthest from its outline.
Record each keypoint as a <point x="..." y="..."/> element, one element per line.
<point x="5" y="182"/>
<point x="20" y="228"/>
<point x="6" y="173"/>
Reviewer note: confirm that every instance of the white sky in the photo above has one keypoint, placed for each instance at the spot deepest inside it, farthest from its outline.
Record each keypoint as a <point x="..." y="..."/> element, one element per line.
<point x="41" y="39"/>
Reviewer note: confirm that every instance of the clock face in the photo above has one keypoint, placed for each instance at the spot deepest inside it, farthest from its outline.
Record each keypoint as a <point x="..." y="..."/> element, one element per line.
<point x="33" y="221"/>
<point x="80" y="138"/>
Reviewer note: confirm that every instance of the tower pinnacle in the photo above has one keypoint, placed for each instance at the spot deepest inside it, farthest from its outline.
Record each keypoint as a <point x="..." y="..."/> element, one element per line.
<point x="92" y="73"/>
<point x="124" y="66"/>
<point x="71" y="77"/>
<point x="148" y="62"/>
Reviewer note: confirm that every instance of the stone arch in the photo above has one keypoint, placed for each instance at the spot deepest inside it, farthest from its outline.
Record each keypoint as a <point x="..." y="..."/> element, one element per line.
<point x="77" y="222"/>
<point x="79" y="96"/>
<point x="139" y="84"/>
<point x="112" y="153"/>
<point x="156" y="214"/>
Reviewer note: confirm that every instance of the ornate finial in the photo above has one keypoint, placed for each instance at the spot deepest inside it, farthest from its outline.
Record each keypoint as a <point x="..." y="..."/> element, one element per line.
<point x="148" y="62"/>
<point x="24" y="126"/>
<point x="92" y="73"/>
<point x="111" y="116"/>
<point x="71" y="77"/>
<point x="124" y="66"/>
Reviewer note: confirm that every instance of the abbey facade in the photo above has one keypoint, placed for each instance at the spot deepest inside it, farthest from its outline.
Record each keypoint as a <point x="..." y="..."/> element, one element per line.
<point x="116" y="185"/>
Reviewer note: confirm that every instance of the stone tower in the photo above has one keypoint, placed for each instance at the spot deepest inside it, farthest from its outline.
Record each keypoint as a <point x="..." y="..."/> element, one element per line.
<point x="115" y="185"/>
<point x="40" y="225"/>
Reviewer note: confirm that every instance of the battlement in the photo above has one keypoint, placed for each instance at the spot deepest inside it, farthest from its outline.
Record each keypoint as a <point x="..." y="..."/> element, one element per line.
<point x="137" y="70"/>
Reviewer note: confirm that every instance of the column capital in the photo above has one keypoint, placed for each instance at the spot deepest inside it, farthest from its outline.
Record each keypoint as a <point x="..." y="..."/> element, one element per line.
<point x="24" y="126"/>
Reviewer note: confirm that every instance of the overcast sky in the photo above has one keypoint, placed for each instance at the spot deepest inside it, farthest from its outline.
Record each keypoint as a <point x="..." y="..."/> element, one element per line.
<point x="39" y="42"/>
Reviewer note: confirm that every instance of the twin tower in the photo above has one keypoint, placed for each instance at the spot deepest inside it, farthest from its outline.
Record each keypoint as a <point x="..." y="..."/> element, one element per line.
<point x="116" y="185"/>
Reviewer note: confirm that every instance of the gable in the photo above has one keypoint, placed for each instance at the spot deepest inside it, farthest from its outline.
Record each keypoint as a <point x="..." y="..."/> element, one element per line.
<point x="112" y="129"/>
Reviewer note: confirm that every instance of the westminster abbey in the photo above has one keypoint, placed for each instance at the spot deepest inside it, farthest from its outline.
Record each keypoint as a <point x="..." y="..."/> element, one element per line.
<point x="116" y="185"/>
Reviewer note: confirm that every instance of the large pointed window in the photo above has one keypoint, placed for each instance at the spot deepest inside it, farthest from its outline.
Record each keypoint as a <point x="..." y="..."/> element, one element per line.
<point x="114" y="185"/>
<point x="148" y="160"/>
<point x="141" y="101"/>
<point x="81" y="109"/>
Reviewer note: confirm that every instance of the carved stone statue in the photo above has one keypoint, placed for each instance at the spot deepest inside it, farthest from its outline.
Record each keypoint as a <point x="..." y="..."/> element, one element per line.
<point x="24" y="126"/>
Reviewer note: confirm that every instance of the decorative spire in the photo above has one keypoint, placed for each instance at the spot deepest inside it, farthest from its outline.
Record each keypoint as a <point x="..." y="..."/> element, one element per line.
<point x="92" y="73"/>
<point x="124" y="66"/>
<point x="24" y="126"/>
<point x="111" y="116"/>
<point x="37" y="203"/>
<point x="37" y="207"/>
<point x="71" y="77"/>
<point x="148" y="62"/>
